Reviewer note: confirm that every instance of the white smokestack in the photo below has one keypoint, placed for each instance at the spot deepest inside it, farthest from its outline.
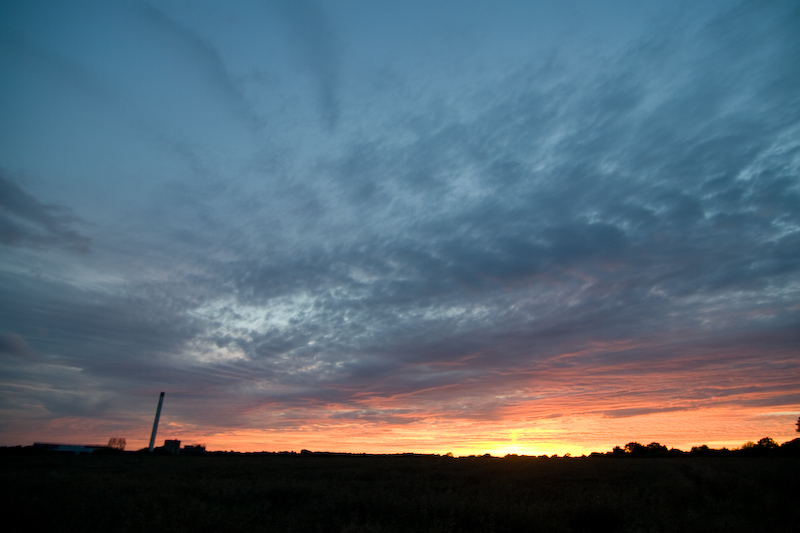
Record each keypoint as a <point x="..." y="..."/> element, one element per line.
<point x="155" y="423"/>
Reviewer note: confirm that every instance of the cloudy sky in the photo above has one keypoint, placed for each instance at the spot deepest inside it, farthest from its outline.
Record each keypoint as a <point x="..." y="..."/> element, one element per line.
<point x="373" y="226"/>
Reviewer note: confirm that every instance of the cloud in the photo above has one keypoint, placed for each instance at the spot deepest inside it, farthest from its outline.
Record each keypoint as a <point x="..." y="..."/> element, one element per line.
<point x="13" y="344"/>
<point x="188" y="48"/>
<point x="24" y="221"/>
<point x="625" y="413"/>
<point x="607" y="211"/>
<point x="318" y="49"/>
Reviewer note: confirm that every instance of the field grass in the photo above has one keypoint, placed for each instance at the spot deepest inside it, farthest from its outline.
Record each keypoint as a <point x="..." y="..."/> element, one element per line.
<point x="317" y="493"/>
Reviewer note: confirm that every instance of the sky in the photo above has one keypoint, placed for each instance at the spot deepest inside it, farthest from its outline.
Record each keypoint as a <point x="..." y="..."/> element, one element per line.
<point x="371" y="226"/>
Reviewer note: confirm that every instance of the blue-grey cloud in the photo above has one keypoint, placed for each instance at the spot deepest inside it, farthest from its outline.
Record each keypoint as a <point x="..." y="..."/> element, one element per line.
<point x="24" y="221"/>
<point x="13" y="344"/>
<point x="313" y="40"/>
<point x="188" y="48"/>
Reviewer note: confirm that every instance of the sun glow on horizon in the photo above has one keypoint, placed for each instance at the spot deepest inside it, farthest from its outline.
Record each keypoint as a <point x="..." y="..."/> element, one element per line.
<point x="576" y="436"/>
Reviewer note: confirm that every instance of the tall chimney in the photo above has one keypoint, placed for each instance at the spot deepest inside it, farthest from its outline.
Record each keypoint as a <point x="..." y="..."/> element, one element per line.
<point x="155" y="422"/>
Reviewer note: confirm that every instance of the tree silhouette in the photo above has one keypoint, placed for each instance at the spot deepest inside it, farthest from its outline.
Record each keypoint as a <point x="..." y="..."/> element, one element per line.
<point x="798" y="424"/>
<point x="116" y="443"/>
<point x="635" y="449"/>
<point x="655" y="448"/>
<point x="767" y="443"/>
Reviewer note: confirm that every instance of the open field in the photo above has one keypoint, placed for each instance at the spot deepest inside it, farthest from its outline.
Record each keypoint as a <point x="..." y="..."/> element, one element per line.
<point x="319" y="493"/>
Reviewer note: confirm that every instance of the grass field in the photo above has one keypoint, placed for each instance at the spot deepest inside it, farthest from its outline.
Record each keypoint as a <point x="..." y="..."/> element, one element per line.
<point x="318" y="493"/>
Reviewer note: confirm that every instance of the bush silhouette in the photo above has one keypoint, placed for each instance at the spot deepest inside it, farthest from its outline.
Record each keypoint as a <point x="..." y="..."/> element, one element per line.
<point x="791" y="448"/>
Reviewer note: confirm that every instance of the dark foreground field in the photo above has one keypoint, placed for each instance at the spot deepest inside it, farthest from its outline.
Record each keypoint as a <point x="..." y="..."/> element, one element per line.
<point x="313" y="493"/>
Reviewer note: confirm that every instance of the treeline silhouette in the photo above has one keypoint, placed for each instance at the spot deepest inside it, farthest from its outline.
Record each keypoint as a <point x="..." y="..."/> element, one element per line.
<point x="765" y="447"/>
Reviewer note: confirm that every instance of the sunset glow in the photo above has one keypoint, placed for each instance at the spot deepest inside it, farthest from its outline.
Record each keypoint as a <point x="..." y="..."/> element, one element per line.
<point x="384" y="227"/>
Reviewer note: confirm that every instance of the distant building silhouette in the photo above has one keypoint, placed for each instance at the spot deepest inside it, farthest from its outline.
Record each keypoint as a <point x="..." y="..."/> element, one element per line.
<point x="72" y="448"/>
<point x="194" y="449"/>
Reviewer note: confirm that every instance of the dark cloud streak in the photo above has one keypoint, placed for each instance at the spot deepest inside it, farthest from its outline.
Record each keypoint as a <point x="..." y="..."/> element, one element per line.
<point x="198" y="52"/>
<point x="314" y="41"/>
<point x="24" y="221"/>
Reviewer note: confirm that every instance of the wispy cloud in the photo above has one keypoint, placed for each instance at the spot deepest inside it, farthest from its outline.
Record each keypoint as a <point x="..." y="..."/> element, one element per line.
<point x="314" y="42"/>
<point x="188" y="48"/>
